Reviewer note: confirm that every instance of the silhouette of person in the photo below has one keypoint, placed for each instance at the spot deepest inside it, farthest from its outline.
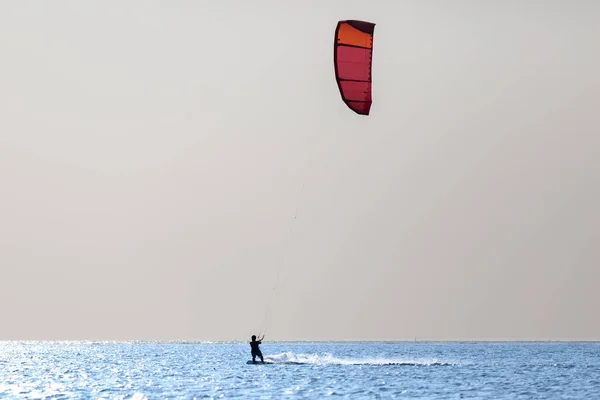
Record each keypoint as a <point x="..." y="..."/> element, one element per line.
<point x="255" y="350"/>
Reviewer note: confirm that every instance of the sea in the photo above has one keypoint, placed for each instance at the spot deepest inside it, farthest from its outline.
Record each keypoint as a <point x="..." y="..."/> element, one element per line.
<point x="300" y="370"/>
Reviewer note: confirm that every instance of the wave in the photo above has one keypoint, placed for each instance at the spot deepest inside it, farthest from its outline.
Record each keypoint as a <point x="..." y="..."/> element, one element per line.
<point x="328" y="359"/>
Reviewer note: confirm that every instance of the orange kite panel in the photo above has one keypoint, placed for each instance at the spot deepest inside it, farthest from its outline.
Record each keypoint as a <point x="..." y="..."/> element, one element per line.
<point x="353" y="37"/>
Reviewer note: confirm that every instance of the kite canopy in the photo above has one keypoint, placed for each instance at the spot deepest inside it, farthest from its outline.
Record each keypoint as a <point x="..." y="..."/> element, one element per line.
<point x="352" y="57"/>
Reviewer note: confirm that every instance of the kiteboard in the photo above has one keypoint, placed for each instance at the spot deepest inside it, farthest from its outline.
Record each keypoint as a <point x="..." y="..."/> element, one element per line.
<point x="258" y="362"/>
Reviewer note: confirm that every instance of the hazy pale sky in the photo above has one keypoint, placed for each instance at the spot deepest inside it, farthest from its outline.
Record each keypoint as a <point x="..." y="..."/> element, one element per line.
<point x="152" y="155"/>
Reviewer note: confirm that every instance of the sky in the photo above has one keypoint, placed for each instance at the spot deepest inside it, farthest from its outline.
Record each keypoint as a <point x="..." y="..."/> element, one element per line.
<point x="186" y="170"/>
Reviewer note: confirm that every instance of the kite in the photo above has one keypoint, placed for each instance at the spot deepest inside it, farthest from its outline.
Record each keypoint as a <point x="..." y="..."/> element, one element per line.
<point x="352" y="59"/>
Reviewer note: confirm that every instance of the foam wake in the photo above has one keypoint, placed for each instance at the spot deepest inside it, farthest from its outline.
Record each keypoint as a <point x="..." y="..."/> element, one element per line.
<point x="328" y="359"/>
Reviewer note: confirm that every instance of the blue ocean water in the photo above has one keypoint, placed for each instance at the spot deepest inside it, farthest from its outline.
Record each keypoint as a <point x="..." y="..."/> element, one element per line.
<point x="364" y="370"/>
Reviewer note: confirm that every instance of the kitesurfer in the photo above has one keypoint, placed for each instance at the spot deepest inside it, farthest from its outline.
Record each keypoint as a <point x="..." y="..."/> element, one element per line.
<point x="255" y="350"/>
